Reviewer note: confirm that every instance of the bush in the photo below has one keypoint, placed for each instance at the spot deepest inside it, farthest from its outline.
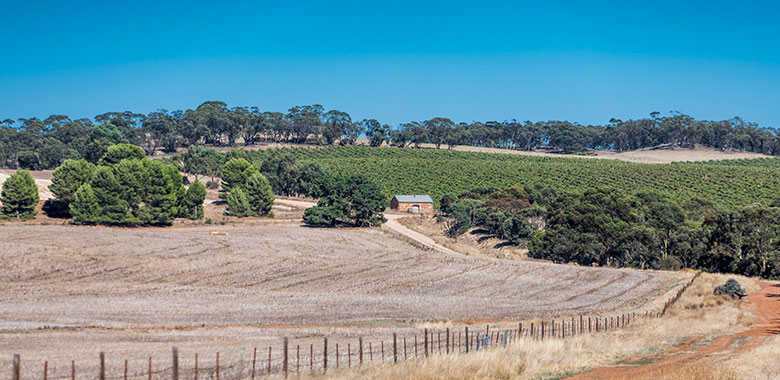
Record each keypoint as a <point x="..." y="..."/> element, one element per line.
<point x="19" y="196"/>
<point x="324" y="216"/>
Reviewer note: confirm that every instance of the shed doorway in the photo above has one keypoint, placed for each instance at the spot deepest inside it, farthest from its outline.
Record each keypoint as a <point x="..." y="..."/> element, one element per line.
<point x="416" y="209"/>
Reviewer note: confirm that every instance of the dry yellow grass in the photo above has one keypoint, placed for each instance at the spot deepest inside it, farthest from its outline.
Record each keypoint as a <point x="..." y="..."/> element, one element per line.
<point x="697" y="314"/>
<point x="467" y="243"/>
<point x="760" y="363"/>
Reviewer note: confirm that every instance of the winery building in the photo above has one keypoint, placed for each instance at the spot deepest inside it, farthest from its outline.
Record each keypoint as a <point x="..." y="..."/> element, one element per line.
<point x="415" y="204"/>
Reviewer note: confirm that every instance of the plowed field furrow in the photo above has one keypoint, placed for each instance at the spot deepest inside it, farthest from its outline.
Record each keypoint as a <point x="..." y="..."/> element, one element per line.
<point x="162" y="278"/>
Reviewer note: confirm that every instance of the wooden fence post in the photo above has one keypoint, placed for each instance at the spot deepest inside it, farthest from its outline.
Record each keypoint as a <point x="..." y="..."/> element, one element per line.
<point x="175" y="364"/>
<point x="254" y="362"/>
<point x="532" y="330"/>
<point x="73" y="370"/>
<point x="196" y="367"/>
<point x="395" y="348"/>
<point x="426" y="342"/>
<point x="149" y="372"/>
<point x="102" y="366"/>
<point x="286" y="356"/>
<point x="217" y="368"/>
<point x="467" y="339"/>
<point x="46" y="370"/>
<point x="447" y="341"/>
<point x="325" y="355"/>
<point x="360" y="347"/>
<point x="16" y="374"/>
<point x="542" y="330"/>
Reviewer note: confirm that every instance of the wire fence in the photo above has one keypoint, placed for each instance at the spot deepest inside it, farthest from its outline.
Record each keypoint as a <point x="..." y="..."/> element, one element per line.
<point x="287" y="359"/>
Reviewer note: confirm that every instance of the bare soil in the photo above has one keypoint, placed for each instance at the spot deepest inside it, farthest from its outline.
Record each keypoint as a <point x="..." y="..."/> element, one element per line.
<point x="701" y="350"/>
<point x="68" y="292"/>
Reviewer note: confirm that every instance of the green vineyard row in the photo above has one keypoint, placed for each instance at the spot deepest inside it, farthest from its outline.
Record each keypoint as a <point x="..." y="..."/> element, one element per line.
<point x="437" y="172"/>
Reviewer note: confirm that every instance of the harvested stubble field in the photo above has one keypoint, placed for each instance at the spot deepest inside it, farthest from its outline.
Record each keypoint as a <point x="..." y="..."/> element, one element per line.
<point x="67" y="293"/>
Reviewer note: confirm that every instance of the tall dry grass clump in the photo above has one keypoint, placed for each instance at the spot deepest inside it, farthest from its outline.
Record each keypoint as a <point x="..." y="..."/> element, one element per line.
<point x="697" y="313"/>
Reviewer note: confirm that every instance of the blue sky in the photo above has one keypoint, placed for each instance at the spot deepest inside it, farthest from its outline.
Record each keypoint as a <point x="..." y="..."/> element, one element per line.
<point x="584" y="61"/>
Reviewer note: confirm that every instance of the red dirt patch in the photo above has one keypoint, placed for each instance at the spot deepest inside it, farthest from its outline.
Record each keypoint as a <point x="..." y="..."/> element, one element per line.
<point x="766" y="305"/>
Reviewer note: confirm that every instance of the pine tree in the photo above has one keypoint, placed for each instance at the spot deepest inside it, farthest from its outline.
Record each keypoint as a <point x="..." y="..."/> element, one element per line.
<point x="238" y="204"/>
<point x="68" y="178"/>
<point x="259" y="194"/>
<point x="19" y="196"/>
<point x="160" y="203"/>
<point x="85" y="208"/>
<point x="192" y="204"/>
<point x="113" y="209"/>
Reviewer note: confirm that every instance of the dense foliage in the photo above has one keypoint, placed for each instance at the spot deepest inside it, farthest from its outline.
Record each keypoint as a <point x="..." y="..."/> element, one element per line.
<point x="248" y="192"/>
<point x="124" y="190"/>
<point x="19" y="196"/>
<point x="39" y="144"/>
<point x="440" y="172"/>
<point x="609" y="227"/>
<point x="285" y="173"/>
<point x="352" y="201"/>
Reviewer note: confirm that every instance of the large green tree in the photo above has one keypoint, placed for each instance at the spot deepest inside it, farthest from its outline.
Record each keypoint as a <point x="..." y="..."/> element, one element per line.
<point x="259" y="195"/>
<point x="85" y="208"/>
<point x="236" y="172"/>
<point x="19" y="196"/>
<point x="352" y="200"/>
<point x="192" y="204"/>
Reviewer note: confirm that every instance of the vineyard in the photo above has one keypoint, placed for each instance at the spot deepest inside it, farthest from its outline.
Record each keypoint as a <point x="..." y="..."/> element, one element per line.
<point x="437" y="172"/>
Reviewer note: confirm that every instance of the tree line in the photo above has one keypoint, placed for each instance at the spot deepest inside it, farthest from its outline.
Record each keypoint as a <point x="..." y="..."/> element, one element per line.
<point x="606" y="226"/>
<point x="126" y="188"/>
<point x="123" y="188"/>
<point x="31" y="143"/>
<point x="342" y="200"/>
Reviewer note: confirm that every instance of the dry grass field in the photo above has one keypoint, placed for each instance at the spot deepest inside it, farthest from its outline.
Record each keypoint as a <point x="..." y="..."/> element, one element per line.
<point x="68" y="292"/>
<point x="702" y="337"/>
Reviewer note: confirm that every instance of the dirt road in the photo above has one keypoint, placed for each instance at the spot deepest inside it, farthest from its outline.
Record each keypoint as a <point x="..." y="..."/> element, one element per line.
<point x="764" y="303"/>
<point x="392" y="224"/>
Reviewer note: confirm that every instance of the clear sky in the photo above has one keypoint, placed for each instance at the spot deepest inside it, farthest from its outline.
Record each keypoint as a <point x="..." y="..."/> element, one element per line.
<point x="396" y="61"/>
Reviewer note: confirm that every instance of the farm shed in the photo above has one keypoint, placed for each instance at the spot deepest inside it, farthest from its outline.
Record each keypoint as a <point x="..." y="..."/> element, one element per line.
<point x="415" y="204"/>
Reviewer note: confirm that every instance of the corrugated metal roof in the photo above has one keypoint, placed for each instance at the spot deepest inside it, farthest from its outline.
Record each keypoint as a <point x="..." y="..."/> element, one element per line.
<point x="414" y="198"/>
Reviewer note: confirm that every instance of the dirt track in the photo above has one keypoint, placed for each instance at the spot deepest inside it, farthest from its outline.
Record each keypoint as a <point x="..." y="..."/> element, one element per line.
<point x="766" y="306"/>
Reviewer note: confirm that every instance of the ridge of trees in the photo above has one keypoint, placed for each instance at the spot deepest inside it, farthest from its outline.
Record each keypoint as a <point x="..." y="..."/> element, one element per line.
<point x="37" y="144"/>
<point x="608" y="227"/>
